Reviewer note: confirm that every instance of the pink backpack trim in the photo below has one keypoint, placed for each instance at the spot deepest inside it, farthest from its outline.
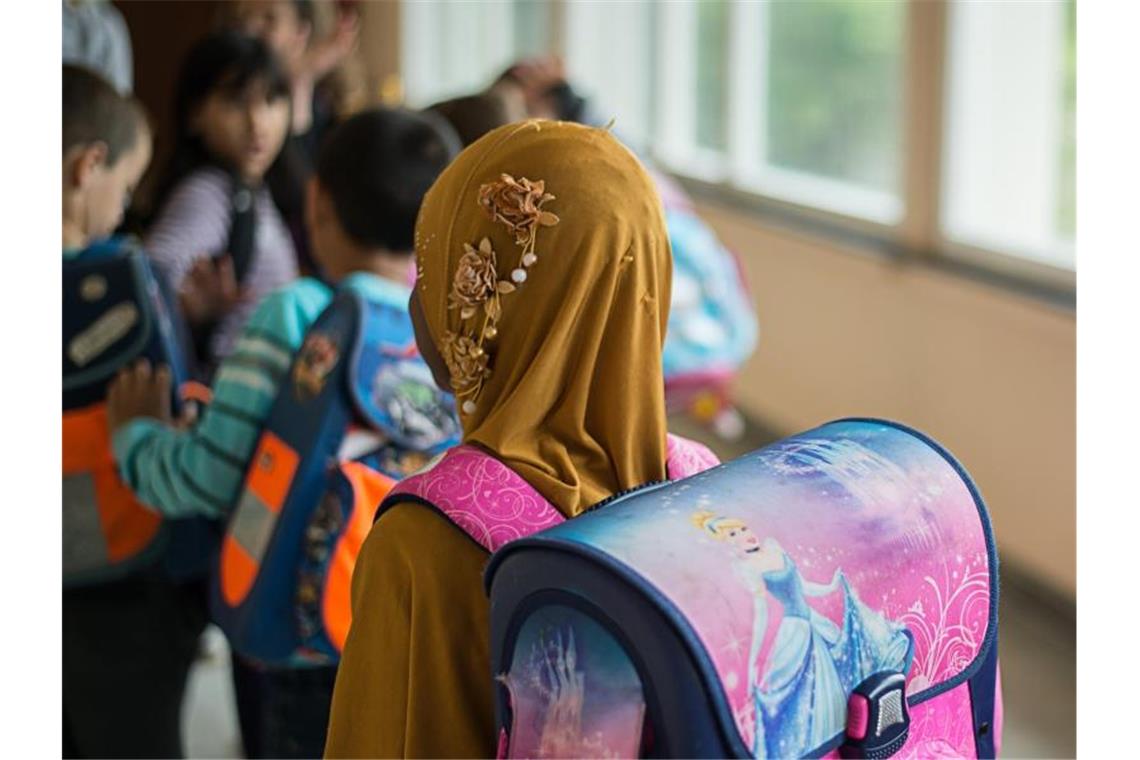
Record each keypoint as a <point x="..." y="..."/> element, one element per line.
<point x="494" y="505"/>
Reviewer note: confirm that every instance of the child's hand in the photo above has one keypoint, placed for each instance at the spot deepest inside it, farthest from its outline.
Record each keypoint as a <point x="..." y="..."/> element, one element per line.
<point x="209" y="290"/>
<point x="327" y="53"/>
<point x="139" y="392"/>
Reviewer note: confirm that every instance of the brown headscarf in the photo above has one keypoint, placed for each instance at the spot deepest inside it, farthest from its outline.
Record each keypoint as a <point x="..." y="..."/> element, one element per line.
<point x="572" y="398"/>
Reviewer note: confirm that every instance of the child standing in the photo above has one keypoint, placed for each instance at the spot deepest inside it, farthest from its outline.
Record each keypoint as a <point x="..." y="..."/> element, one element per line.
<point x="218" y="235"/>
<point x="370" y="180"/>
<point x="128" y="643"/>
<point x="541" y="301"/>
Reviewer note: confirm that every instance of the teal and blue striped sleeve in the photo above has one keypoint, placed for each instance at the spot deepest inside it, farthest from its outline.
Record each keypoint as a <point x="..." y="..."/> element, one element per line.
<point x="199" y="471"/>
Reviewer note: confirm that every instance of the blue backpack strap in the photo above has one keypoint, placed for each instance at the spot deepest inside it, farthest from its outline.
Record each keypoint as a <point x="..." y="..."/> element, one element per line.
<point x="253" y="592"/>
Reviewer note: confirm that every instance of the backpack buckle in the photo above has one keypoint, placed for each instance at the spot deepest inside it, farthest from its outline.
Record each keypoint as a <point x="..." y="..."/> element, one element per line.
<point x="878" y="720"/>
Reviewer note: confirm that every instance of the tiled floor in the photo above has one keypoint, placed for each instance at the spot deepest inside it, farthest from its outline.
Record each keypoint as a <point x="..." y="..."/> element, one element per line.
<point x="1037" y="647"/>
<point x="1038" y="650"/>
<point x="210" y="722"/>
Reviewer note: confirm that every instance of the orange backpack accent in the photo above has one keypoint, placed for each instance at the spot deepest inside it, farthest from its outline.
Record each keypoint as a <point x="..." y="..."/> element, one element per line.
<point x="116" y="310"/>
<point x="357" y="411"/>
<point x="123" y="528"/>
<point x="369" y="488"/>
<point x="267" y="484"/>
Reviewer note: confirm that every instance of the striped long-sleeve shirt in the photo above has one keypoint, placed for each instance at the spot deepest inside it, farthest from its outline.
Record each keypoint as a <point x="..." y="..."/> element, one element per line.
<point x="195" y="223"/>
<point x="199" y="471"/>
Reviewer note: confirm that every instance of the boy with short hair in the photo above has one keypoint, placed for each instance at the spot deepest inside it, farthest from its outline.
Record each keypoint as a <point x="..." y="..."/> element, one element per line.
<point x="127" y="643"/>
<point x="361" y="209"/>
<point x="362" y="206"/>
<point x="106" y="149"/>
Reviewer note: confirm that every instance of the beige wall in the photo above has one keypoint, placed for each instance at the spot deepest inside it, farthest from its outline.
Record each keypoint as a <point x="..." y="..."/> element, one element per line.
<point x="990" y="374"/>
<point x="379" y="49"/>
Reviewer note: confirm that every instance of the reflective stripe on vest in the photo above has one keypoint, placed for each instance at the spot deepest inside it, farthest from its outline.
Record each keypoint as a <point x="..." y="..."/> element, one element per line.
<point x="251" y="528"/>
<point x="103" y="524"/>
<point x="84" y="546"/>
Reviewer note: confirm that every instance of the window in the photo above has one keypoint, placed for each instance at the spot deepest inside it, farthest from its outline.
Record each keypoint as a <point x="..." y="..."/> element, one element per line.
<point x="608" y="50"/>
<point x="1008" y="177"/>
<point x="712" y="74"/>
<point x="798" y="101"/>
<point x="824" y="107"/>
<point x="834" y="91"/>
<point x="456" y="47"/>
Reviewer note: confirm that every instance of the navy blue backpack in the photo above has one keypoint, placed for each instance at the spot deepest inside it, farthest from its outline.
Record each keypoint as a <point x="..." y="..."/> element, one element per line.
<point x="116" y="310"/>
<point x="358" y="411"/>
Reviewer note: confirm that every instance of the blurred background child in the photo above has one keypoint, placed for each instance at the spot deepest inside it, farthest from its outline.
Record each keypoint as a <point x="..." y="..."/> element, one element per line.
<point x="218" y="234"/>
<point x="106" y="149"/>
<point x="127" y="643"/>
<point x="371" y="177"/>
<point x="324" y="87"/>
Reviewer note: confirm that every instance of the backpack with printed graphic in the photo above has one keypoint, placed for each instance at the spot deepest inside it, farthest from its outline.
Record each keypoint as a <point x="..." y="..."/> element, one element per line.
<point x="832" y="595"/>
<point x="358" y="411"/>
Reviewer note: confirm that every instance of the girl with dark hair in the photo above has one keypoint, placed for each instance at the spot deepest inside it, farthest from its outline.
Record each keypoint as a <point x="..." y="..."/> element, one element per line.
<point x="218" y="235"/>
<point x="322" y="88"/>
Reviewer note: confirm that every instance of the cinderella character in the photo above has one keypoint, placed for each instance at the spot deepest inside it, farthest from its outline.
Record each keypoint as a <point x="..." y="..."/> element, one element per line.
<point x="800" y="697"/>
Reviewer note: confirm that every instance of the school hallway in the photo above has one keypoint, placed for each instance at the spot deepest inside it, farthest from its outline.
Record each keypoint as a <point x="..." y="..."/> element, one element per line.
<point x="830" y="246"/>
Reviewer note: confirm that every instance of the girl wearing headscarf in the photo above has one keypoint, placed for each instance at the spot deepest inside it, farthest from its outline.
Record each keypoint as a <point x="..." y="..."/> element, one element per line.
<point x="541" y="302"/>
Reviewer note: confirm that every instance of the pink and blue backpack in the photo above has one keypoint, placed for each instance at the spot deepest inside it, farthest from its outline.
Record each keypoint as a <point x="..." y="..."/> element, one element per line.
<point x="357" y="412"/>
<point x="834" y="594"/>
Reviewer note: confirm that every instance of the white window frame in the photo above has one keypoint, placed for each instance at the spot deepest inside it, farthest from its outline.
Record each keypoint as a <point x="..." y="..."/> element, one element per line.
<point x="743" y="167"/>
<point x="977" y="251"/>
<point x="486" y="40"/>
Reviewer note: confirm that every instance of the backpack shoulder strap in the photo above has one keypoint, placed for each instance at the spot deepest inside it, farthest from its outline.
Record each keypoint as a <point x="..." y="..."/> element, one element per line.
<point x="489" y="501"/>
<point x="685" y="458"/>
<point x="241" y="243"/>
<point x="241" y="248"/>
<point x="493" y="504"/>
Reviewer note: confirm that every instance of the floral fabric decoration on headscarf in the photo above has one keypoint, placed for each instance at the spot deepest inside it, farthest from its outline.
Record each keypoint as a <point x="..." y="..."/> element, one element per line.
<point x="562" y="357"/>
<point x="476" y="288"/>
